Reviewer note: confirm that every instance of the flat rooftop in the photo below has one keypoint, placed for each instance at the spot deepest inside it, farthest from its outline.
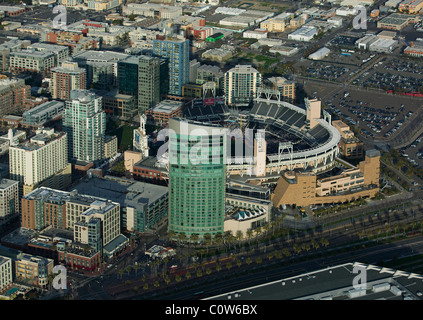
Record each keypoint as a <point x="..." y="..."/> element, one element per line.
<point x="167" y="106"/>
<point x="335" y="283"/>
<point x="123" y="191"/>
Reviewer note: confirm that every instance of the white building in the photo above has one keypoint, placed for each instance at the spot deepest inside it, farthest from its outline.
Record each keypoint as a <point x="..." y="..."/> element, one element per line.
<point x="241" y="84"/>
<point x="5" y="273"/>
<point x="153" y="10"/>
<point x="108" y="213"/>
<point x="336" y="21"/>
<point x="319" y="54"/>
<point x="345" y="11"/>
<point x="255" y="34"/>
<point x="305" y="33"/>
<point x="9" y="197"/>
<point x="284" y="50"/>
<point x="45" y="155"/>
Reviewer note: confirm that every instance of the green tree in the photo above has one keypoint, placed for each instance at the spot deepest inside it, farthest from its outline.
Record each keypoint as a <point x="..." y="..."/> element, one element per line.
<point x="248" y="261"/>
<point x="132" y="17"/>
<point x="218" y="267"/>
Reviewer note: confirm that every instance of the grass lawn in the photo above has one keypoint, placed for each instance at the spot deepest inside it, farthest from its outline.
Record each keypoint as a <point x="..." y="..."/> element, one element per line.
<point x="124" y="135"/>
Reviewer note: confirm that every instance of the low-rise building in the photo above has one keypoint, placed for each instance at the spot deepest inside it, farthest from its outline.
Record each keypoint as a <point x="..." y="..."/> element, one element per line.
<point x="350" y="147"/>
<point x="6" y="273"/>
<point x="40" y="115"/>
<point x="304" y="189"/>
<point x="144" y="205"/>
<point x="110" y="146"/>
<point x="9" y="198"/>
<point x="33" y="268"/>
<point x="164" y="110"/>
<point x="305" y="33"/>
<point x="246" y="213"/>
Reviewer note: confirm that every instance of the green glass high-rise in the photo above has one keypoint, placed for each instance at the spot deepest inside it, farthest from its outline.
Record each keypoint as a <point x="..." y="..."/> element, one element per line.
<point x="84" y="121"/>
<point x="197" y="178"/>
<point x="141" y="77"/>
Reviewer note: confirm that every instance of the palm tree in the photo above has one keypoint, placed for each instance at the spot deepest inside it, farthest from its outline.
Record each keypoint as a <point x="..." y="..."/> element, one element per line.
<point x="278" y="254"/>
<point x="218" y="267"/>
<point x="208" y="271"/>
<point x="324" y="242"/>
<point x="136" y="289"/>
<point x="188" y="275"/>
<point x="145" y="287"/>
<point x="167" y="279"/>
<point x="229" y="266"/>
<point x="296" y="248"/>
<point x="128" y="269"/>
<point x="249" y="235"/>
<point x="286" y="252"/>
<point x="178" y="278"/>
<point x="273" y="225"/>
<point x="266" y="228"/>
<point x="120" y="272"/>
<point x="218" y="239"/>
<point x="165" y="261"/>
<point x="156" y="284"/>
<point x="193" y="238"/>
<point x="136" y="267"/>
<point x="248" y="261"/>
<point x="270" y="255"/>
<point x="238" y="262"/>
<point x="259" y="260"/>
<point x="257" y="231"/>
<point x="315" y="244"/>
<point x="182" y="237"/>
<point x="238" y="236"/>
<point x="171" y="234"/>
<point x="207" y="240"/>
<point x="228" y="238"/>
<point x="199" y="273"/>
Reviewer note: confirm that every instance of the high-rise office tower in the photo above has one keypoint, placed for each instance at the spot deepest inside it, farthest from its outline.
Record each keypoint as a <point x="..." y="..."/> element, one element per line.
<point x="140" y="76"/>
<point x="240" y="85"/>
<point x="197" y="176"/>
<point x="66" y="78"/>
<point x="127" y="76"/>
<point x="85" y="123"/>
<point x="176" y="51"/>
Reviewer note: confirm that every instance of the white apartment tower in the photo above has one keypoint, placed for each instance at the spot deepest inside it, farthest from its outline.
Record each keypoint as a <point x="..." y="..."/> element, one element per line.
<point x="9" y="197"/>
<point x="5" y="272"/>
<point x="44" y="156"/>
<point x="241" y="84"/>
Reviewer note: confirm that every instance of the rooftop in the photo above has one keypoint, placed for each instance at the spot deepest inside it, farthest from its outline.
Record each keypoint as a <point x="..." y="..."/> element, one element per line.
<point x="167" y="106"/>
<point x="6" y="183"/>
<point x="335" y="283"/>
<point x="123" y="191"/>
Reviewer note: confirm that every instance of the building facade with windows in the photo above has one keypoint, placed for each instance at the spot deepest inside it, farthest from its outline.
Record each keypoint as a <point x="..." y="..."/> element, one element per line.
<point x="196" y="182"/>
<point x="84" y="121"/>
<point x="66" y="78"/>
<point x="241" y="84"/>
<point x="176" y="52"/>
<point x="43" y="160"/>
